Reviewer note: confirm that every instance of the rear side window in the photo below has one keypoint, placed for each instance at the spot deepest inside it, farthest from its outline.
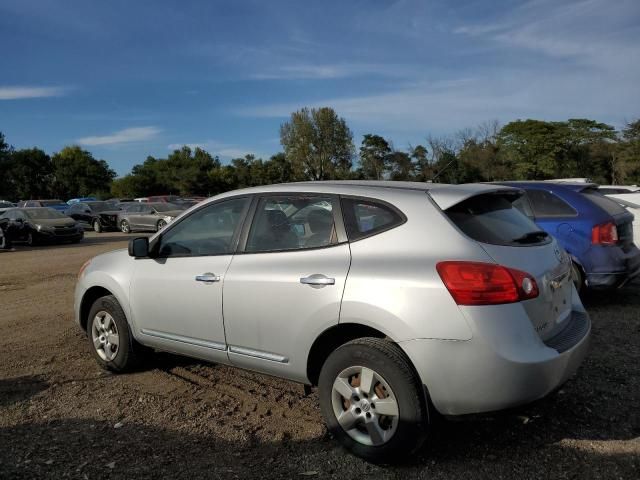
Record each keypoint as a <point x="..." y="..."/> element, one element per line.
<point x="493" y="219"/>
<point x="364" y="217"/>
<point x="547" y="204"/>
<point x="608" y="205"/>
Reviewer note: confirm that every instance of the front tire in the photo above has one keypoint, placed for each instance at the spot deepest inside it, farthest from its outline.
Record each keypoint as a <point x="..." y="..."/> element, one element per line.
<point x="125" y="227"/>
<point x="97" y="227"/>
<point x="372" y="400"/>
<point x="110" y="338"/>
<point x="5" y="244"/>
<point x="161" y="225"/>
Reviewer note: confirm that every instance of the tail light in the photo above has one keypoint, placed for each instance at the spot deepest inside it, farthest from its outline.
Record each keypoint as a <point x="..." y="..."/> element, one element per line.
<point x="604" y="234"/>
<point x="476" y="283"/>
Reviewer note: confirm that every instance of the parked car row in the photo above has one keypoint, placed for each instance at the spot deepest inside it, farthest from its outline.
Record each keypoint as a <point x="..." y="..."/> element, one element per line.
<point x="34" y="225"/>
<point x="595" y="230"/>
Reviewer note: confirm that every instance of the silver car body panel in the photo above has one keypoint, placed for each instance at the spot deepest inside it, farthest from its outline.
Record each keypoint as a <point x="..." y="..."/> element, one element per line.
<point x="471" y="359"/>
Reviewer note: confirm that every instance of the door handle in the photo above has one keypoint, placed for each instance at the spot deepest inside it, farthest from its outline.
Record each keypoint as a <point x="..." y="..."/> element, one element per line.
<point x="207" y="278"/>
<point x="317" y="279"/>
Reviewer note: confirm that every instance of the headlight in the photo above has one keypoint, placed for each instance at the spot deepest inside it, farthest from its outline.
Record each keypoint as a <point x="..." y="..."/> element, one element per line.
<point x="168" y="219"/>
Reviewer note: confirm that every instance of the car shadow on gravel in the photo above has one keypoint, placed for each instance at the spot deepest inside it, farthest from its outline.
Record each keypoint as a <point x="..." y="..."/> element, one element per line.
<point x="98" y="449"/>
<point x="20" y="389"/>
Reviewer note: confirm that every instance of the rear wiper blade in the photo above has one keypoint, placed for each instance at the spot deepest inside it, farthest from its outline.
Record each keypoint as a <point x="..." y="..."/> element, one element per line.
<point x="531" y="237"/>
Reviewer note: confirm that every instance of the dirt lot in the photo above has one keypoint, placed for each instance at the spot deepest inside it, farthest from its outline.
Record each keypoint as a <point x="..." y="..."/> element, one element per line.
<point x="61" y="416"/>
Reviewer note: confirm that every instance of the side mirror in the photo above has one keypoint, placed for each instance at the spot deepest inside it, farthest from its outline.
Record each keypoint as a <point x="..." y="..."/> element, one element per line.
<point x="87" y="211"/>
<point x="19" y="220"/>
<point x="139" y="247"/>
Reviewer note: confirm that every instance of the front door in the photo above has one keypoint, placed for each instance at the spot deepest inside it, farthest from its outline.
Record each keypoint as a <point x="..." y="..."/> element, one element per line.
<point x="176" y="297"/>
<point x="286" y="287"/>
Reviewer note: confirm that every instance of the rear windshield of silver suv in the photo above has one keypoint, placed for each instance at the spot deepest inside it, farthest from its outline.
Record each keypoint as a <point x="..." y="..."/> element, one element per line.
<point x="492" y="218"/>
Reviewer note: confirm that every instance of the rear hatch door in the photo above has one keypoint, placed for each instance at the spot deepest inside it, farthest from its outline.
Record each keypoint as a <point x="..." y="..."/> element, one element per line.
<point x="513" y="240"/>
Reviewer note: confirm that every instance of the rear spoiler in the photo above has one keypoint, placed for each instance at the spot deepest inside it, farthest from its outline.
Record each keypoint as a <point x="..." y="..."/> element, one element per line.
<point x="448" y="196"/>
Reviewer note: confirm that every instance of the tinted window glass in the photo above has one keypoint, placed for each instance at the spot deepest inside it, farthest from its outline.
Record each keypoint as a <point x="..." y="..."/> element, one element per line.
<point x="608" y="205"/>
<point x="522" y="204"/>
<point x="209" y="231"/>
<point x="50" y="203"/>
<point x="368" y="217"/>
<point x="547" y="204"/>
<point x="493" y="219"/>
<point x="292" y="222"/>
<point x="609" y="190"/>
<point x="43" y="213"/>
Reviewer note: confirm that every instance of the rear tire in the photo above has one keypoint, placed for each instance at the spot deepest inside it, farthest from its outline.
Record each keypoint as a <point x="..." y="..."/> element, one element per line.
<point x="577" y="276"/>
<point x="359" y="381"/>
<point x="110" y="338"/>
<point x="97" y="227"/>
<point x="31" y="240"/>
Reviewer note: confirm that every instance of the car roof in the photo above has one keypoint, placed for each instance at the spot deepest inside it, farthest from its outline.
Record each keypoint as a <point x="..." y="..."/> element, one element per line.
<point x="445" y="195"/>
<point x="575" y="186"/>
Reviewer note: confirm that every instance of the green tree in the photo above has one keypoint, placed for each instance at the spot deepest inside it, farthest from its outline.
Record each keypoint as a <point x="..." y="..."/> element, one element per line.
<point x="30" y="173"/>
<point x="401" y="166"/>
<point x="536" y="147"/>
<point x="423" y="168"/>
<point x="76" y="173"/>
<point x="626" y="163"/>
<point x="318" y="144"/>
<point x="374" y="156"/>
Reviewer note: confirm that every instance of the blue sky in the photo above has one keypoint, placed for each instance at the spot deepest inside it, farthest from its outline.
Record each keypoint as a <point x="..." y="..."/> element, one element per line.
<point x="127" y="79"/>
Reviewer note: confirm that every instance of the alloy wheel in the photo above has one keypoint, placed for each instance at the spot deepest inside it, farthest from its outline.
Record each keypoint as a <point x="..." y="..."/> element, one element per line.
<point x="104" y="334"/>
<point x="365" y="406"/>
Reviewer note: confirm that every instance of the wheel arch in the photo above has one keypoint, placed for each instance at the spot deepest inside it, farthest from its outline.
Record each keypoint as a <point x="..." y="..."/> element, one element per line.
<point x="88" y="299"/>
<point x="332" y="338"/>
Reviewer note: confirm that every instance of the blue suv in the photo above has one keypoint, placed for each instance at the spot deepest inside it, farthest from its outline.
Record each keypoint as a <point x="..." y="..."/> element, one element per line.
<point x="594" y="230"/>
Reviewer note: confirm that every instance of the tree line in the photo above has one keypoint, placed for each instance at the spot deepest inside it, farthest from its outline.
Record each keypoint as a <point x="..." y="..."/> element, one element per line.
<point x="318" y="145"/>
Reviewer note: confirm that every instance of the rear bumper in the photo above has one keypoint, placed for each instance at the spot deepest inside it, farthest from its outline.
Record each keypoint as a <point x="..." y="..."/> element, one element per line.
<point x="623" y="268"/>
<point x="505" y="364"/>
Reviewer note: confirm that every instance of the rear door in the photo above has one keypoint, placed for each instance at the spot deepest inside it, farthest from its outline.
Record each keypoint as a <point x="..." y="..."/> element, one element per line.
<point x="286" y="285"/>
<point x="513" y="240"/>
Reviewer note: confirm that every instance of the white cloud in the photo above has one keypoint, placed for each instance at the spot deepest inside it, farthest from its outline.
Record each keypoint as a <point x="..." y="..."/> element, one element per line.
<point x="128" y="135"/>
<point x="329" y="71"/>
<point x="21" y="92"/>
<point x="591" y="32"/>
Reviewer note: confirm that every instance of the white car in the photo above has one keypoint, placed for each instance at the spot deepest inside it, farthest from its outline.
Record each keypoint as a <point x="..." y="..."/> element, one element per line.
<point x="631" y="201"/>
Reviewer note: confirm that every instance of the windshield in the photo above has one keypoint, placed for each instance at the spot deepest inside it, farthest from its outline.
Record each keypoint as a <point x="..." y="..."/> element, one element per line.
<point x="43" y="214"/>
<point x="493" y="219"/>
<point x="100" y="206"/>
<point x="5" y="204"/>
<point x="164" y="207"/>
<point x="51" y="203"/>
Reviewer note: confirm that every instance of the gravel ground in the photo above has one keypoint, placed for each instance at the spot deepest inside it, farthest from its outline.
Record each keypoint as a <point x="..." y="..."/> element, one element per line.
<point x="63" y="417"/>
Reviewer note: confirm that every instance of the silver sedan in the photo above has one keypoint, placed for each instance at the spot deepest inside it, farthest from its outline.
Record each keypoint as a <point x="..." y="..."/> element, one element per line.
<point x="146" y="217"/>
<point x="393" y="298"/>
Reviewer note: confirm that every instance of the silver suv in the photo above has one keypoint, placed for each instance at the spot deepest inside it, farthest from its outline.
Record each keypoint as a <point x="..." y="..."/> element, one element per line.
<point x="393" y="298"/>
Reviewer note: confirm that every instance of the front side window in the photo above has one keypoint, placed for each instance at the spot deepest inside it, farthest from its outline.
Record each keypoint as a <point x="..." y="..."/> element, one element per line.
<point x="208" y="231"/>
<point x="547" y="204"/>
<point x="292" y="222"/>
<point x="363" y="218"/>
